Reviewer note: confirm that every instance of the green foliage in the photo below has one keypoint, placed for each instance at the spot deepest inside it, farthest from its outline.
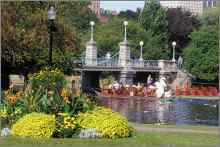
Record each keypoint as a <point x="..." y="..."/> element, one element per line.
<point x="180" y="24"/>
<point x="77" y="104"/>
<point x="25" y="41"/>
<point x="109" y="36"/>
<point x="35" y="125"/>
<point x="45" y="92"/>
<point x="66" y="126"/>
<point x="129" y="14"/>
<point x="26" y="26"/>
<point x="10" y="108"/>
<point x="201" y="57"/>
<point x="47" y="79"/>
<point x="210" y="16"/>
<point x="77" y="14"/>
<point x="110" y="124"/>
<point x="153" y="19"/>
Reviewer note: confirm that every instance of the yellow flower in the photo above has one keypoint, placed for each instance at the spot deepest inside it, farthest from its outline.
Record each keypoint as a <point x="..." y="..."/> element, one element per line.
<point x="20" y="93"/>
<point x="65" y="94"/>
<point x="50" y="93"/>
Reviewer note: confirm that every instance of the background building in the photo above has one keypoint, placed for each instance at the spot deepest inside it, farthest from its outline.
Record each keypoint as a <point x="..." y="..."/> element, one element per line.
<point x="194" y="6"/>
<point x="95" y="7"/>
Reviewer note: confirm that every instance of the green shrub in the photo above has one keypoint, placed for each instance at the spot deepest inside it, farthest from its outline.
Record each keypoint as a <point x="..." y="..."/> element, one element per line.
<point x="66" y="126"/>
<point x="110" y="124"/>
<point x="47" y="79"/>
<point x="36" y="125"/>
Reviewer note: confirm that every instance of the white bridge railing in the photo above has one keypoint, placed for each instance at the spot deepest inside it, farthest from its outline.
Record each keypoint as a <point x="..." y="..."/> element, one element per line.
<point x="162" y="65"/>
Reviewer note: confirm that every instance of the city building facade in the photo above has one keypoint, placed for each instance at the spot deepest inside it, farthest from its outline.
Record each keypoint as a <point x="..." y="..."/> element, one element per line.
<point x="195" y="6"/>
<point x="95" y="7"/>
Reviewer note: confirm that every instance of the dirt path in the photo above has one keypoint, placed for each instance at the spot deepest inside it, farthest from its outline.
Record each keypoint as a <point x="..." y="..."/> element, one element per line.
<point x="175" y="130"/>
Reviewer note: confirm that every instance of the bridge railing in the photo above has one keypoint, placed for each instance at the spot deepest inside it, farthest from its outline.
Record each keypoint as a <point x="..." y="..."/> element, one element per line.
<point x="114" y="62"/>
<point x="144" y="63"/>
<point x="163" y="65"/>
<point x="167" y="65"/>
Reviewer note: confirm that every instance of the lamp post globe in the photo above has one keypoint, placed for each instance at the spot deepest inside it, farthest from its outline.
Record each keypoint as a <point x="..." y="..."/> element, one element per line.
<point x="174" y="43"/>
<point x="141" y="43"/>
<point x="92" y="23"/>
<point x="174" y="46"/>
<point x="51" y="27"/>
<point x="125" y="23"/>
<point x="51" y="13"/>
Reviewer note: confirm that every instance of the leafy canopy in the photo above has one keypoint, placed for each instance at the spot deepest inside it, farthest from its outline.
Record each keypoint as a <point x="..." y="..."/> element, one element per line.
<point x="201" y="56"/>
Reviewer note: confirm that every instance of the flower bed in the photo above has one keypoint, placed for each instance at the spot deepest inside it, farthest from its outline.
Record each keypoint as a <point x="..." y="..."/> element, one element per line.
<point x="47" y="108"/>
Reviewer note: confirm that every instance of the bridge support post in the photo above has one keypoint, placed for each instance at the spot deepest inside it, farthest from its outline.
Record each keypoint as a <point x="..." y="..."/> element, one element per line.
<point x="124" y="54"/>
<point x="91" y="53"/>
<point x="126" y="77"/>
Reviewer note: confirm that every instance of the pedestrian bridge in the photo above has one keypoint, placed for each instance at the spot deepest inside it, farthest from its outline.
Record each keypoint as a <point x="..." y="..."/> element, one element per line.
<point x="125" y="69"/>
<point x="135" y="65"/>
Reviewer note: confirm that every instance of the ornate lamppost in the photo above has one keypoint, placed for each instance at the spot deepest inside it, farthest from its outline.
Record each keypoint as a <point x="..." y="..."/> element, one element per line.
<point x="51" y="27"/>
<point x="141" y="43"/>
<point x="125" y="24"/>
<point x="174" y="46"/>
<point x="92" y="23"/>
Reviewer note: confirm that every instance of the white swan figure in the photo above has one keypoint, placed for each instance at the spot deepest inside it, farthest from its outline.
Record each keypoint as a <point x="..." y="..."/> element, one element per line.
<point x="160" y="87"/>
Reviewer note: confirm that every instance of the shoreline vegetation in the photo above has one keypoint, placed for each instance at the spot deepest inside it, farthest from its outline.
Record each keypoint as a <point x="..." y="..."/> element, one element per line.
<point x="198" y="97"/>
<point x="146" y="134"/>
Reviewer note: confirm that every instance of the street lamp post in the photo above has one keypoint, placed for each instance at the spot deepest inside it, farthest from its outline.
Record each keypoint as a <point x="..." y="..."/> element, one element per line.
<point x="51" y="27"/>
<point x="92" y="23"/>
<point x="174" y="46"/>
<point x="141" y="56"/>
<point x="125" y="24"/>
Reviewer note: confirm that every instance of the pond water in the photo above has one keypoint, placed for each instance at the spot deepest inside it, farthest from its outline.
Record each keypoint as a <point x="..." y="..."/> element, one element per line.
<point x="195" y="111"/>
<point x="178" y="111"/>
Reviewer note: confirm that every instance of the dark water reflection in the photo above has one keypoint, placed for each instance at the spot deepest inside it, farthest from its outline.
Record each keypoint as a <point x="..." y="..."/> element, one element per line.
<point x="179" y="111"/>
<point x="196" y="111"/>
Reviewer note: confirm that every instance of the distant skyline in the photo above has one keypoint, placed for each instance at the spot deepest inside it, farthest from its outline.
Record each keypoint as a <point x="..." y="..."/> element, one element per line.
<point x="121" y="5"/>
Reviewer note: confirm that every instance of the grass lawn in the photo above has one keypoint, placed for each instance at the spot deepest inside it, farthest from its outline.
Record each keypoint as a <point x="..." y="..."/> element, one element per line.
<point x="186" y="127"/>
<point x="148" y="138"/>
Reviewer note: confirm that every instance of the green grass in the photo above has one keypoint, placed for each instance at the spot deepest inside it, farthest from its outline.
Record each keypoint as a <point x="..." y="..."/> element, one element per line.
<point x="190" y="127"/>
<point x="138" y="139"/>
<point x="147" y="138"/>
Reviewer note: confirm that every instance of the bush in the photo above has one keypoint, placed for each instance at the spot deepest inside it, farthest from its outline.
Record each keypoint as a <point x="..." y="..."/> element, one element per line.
<point x="47" y="92"/>
<point x="66" y="126"/>
<point x="47" y="79"/>
<point x="36" y="125"/>
<point x="110" y="124"/>
<point x="10" y="109"/>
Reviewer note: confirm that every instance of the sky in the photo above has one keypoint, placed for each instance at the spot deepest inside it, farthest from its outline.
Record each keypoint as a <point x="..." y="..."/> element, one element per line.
<point x="121" y="5"/>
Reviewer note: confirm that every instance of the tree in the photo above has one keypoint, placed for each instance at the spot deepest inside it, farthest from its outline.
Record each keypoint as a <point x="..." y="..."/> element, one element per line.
<point x="180" y="24"/>
<point x="25" y="41"/>
<point x="109" y="36"/>
<point x="210" y="16"/>
<point x="153" y="19"/>
<point x="77" y="14"/>
<point x="129" y="14"/>
<point x="201" y="56"/>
